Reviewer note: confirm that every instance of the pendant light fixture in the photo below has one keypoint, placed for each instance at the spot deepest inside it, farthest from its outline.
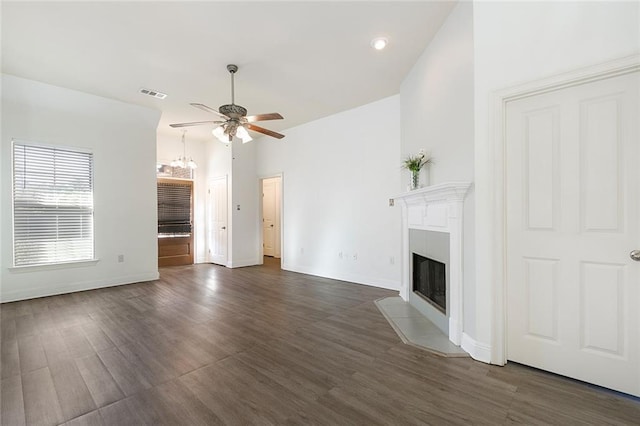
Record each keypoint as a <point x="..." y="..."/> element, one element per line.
<point x="182" y="161"/>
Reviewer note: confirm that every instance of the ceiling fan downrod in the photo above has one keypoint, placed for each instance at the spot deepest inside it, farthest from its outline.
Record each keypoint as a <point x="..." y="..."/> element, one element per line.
<point x="232" y="69"/>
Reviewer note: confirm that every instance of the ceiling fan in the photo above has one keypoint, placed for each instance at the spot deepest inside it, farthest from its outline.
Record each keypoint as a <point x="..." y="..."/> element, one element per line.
<point x="235" y="121"/>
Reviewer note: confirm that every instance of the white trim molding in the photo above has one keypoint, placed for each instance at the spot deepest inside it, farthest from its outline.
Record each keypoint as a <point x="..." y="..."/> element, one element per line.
<point x="46" y="291"/>
<point x="497" y="139"/>
<point x="243" y="263"/>
<point x="343" y="276"/>
<point x="437" y="208"/>
<point x="478" y="351"/>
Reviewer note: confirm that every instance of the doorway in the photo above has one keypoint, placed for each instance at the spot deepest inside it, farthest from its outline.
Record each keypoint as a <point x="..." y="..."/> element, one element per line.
<point x="175" y="221"/>
<point x="271" y="216"/>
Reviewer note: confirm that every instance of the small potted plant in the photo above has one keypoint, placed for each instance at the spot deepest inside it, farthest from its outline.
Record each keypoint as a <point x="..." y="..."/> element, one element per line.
<point x="415" y="163"/>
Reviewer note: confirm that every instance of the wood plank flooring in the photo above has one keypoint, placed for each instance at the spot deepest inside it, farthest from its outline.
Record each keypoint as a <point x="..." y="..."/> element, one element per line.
<point x="206" y="345"/>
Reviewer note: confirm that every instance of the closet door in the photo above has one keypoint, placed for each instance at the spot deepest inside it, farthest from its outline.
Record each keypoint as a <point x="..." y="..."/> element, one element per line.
<point x="573" y="219"/>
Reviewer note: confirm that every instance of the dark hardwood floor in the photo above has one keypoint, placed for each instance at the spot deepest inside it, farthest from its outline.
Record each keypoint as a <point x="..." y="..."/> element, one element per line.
<point x="209" y="345"/>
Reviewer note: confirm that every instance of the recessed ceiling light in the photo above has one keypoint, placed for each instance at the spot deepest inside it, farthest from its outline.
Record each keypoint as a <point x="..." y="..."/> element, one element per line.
<point x="379" y="43"/>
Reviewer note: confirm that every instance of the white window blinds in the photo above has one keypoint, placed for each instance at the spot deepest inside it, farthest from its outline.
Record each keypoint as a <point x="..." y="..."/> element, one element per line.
<point x="52" y="205"/>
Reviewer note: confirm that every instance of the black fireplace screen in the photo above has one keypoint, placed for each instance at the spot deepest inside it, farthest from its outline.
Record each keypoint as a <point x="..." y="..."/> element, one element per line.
<point x="429" y="281"/>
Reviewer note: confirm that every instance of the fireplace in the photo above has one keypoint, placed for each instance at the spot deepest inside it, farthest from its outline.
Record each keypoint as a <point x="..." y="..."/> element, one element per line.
<point x="429" y="281"/>
<point x="432" y="219"/>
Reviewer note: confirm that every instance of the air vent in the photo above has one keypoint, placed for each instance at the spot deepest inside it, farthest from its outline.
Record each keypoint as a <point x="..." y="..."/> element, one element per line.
<point x="153" y="93"/>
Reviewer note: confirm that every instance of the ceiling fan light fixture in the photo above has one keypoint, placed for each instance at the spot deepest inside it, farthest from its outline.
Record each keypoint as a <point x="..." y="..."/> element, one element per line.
<point x="242" y="133"/>
<point x="379" y="43"/>
<point x="219" y="133"/>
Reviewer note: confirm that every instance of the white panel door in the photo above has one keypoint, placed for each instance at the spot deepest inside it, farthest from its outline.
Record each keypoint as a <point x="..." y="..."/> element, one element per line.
<point x="218" y="227"/>
<point x="269" y="217"/>
<point x="573" y="215"/>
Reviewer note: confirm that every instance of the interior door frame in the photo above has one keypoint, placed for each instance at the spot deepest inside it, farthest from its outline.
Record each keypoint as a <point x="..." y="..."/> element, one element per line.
<point x="260" y="214"/>
<point x="497" y="137"/>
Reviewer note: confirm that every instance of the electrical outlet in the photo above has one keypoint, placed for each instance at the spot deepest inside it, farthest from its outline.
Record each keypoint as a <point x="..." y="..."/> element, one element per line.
<point x="391" y="202"/>
<point x="340" y="255"/>
<point x="355" y="256"/>
<point x="120" y="258"/>
<point x="301" y="250"/>
<point x="392" y="260"/>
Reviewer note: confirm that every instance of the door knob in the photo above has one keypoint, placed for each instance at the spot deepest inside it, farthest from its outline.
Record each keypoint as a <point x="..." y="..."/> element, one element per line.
<point x="635" y="255"/>
<point x="224" y="227"/>
<point x="271" y="225"/>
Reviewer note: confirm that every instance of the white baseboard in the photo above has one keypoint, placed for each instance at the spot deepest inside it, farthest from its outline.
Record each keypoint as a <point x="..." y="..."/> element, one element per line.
<point x="242" y="263"/>
<point x="478" y="351"/>
<point x="353" y="278"/>
<point x="81" y="286"/>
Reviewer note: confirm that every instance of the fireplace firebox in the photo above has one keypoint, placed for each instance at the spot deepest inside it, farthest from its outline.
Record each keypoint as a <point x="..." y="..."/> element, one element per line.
<point x="429" y="281"/>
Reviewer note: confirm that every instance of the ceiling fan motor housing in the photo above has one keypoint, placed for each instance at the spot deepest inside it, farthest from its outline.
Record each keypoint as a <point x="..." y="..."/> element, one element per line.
<point x="233" y="110"/>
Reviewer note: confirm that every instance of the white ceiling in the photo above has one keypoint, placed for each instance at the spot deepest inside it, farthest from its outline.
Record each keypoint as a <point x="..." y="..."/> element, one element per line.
<point x="305" y="60"/>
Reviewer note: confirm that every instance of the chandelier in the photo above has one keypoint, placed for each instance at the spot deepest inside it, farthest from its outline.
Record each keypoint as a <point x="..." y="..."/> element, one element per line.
<point x="182" y="161"/>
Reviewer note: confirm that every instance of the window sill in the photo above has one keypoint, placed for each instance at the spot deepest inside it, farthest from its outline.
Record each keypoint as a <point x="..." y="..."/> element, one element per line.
<point x="54" y="266"/>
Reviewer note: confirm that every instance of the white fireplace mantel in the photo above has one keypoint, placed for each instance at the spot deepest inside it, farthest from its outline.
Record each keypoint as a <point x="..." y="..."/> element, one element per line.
<point x="437" y="208"/>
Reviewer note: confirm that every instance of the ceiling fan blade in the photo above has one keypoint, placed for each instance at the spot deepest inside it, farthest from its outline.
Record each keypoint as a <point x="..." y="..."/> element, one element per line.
<point x="264" y="131"/>
<point x="208" y="109"/>
<point x="195" y="123"/>
<point x="264" y="117"/>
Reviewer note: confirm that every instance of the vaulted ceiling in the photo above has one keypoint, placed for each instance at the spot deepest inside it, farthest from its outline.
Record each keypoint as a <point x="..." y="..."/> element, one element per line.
<point x="305" y="60"/>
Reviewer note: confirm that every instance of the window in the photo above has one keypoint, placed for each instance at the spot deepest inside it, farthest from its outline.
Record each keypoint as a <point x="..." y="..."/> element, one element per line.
<point x="52" y="205"/>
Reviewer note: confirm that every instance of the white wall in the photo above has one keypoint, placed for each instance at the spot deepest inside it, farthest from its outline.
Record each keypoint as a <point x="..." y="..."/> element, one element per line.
<point x="169" y="147"/>
<point x="219" y="158"/>
<point x="123" y="140"/>
<point x="436" y="107"/>
<point x="338" y="174"/>
<point x="518" y="42"/>
<point x="245" y="229"/>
